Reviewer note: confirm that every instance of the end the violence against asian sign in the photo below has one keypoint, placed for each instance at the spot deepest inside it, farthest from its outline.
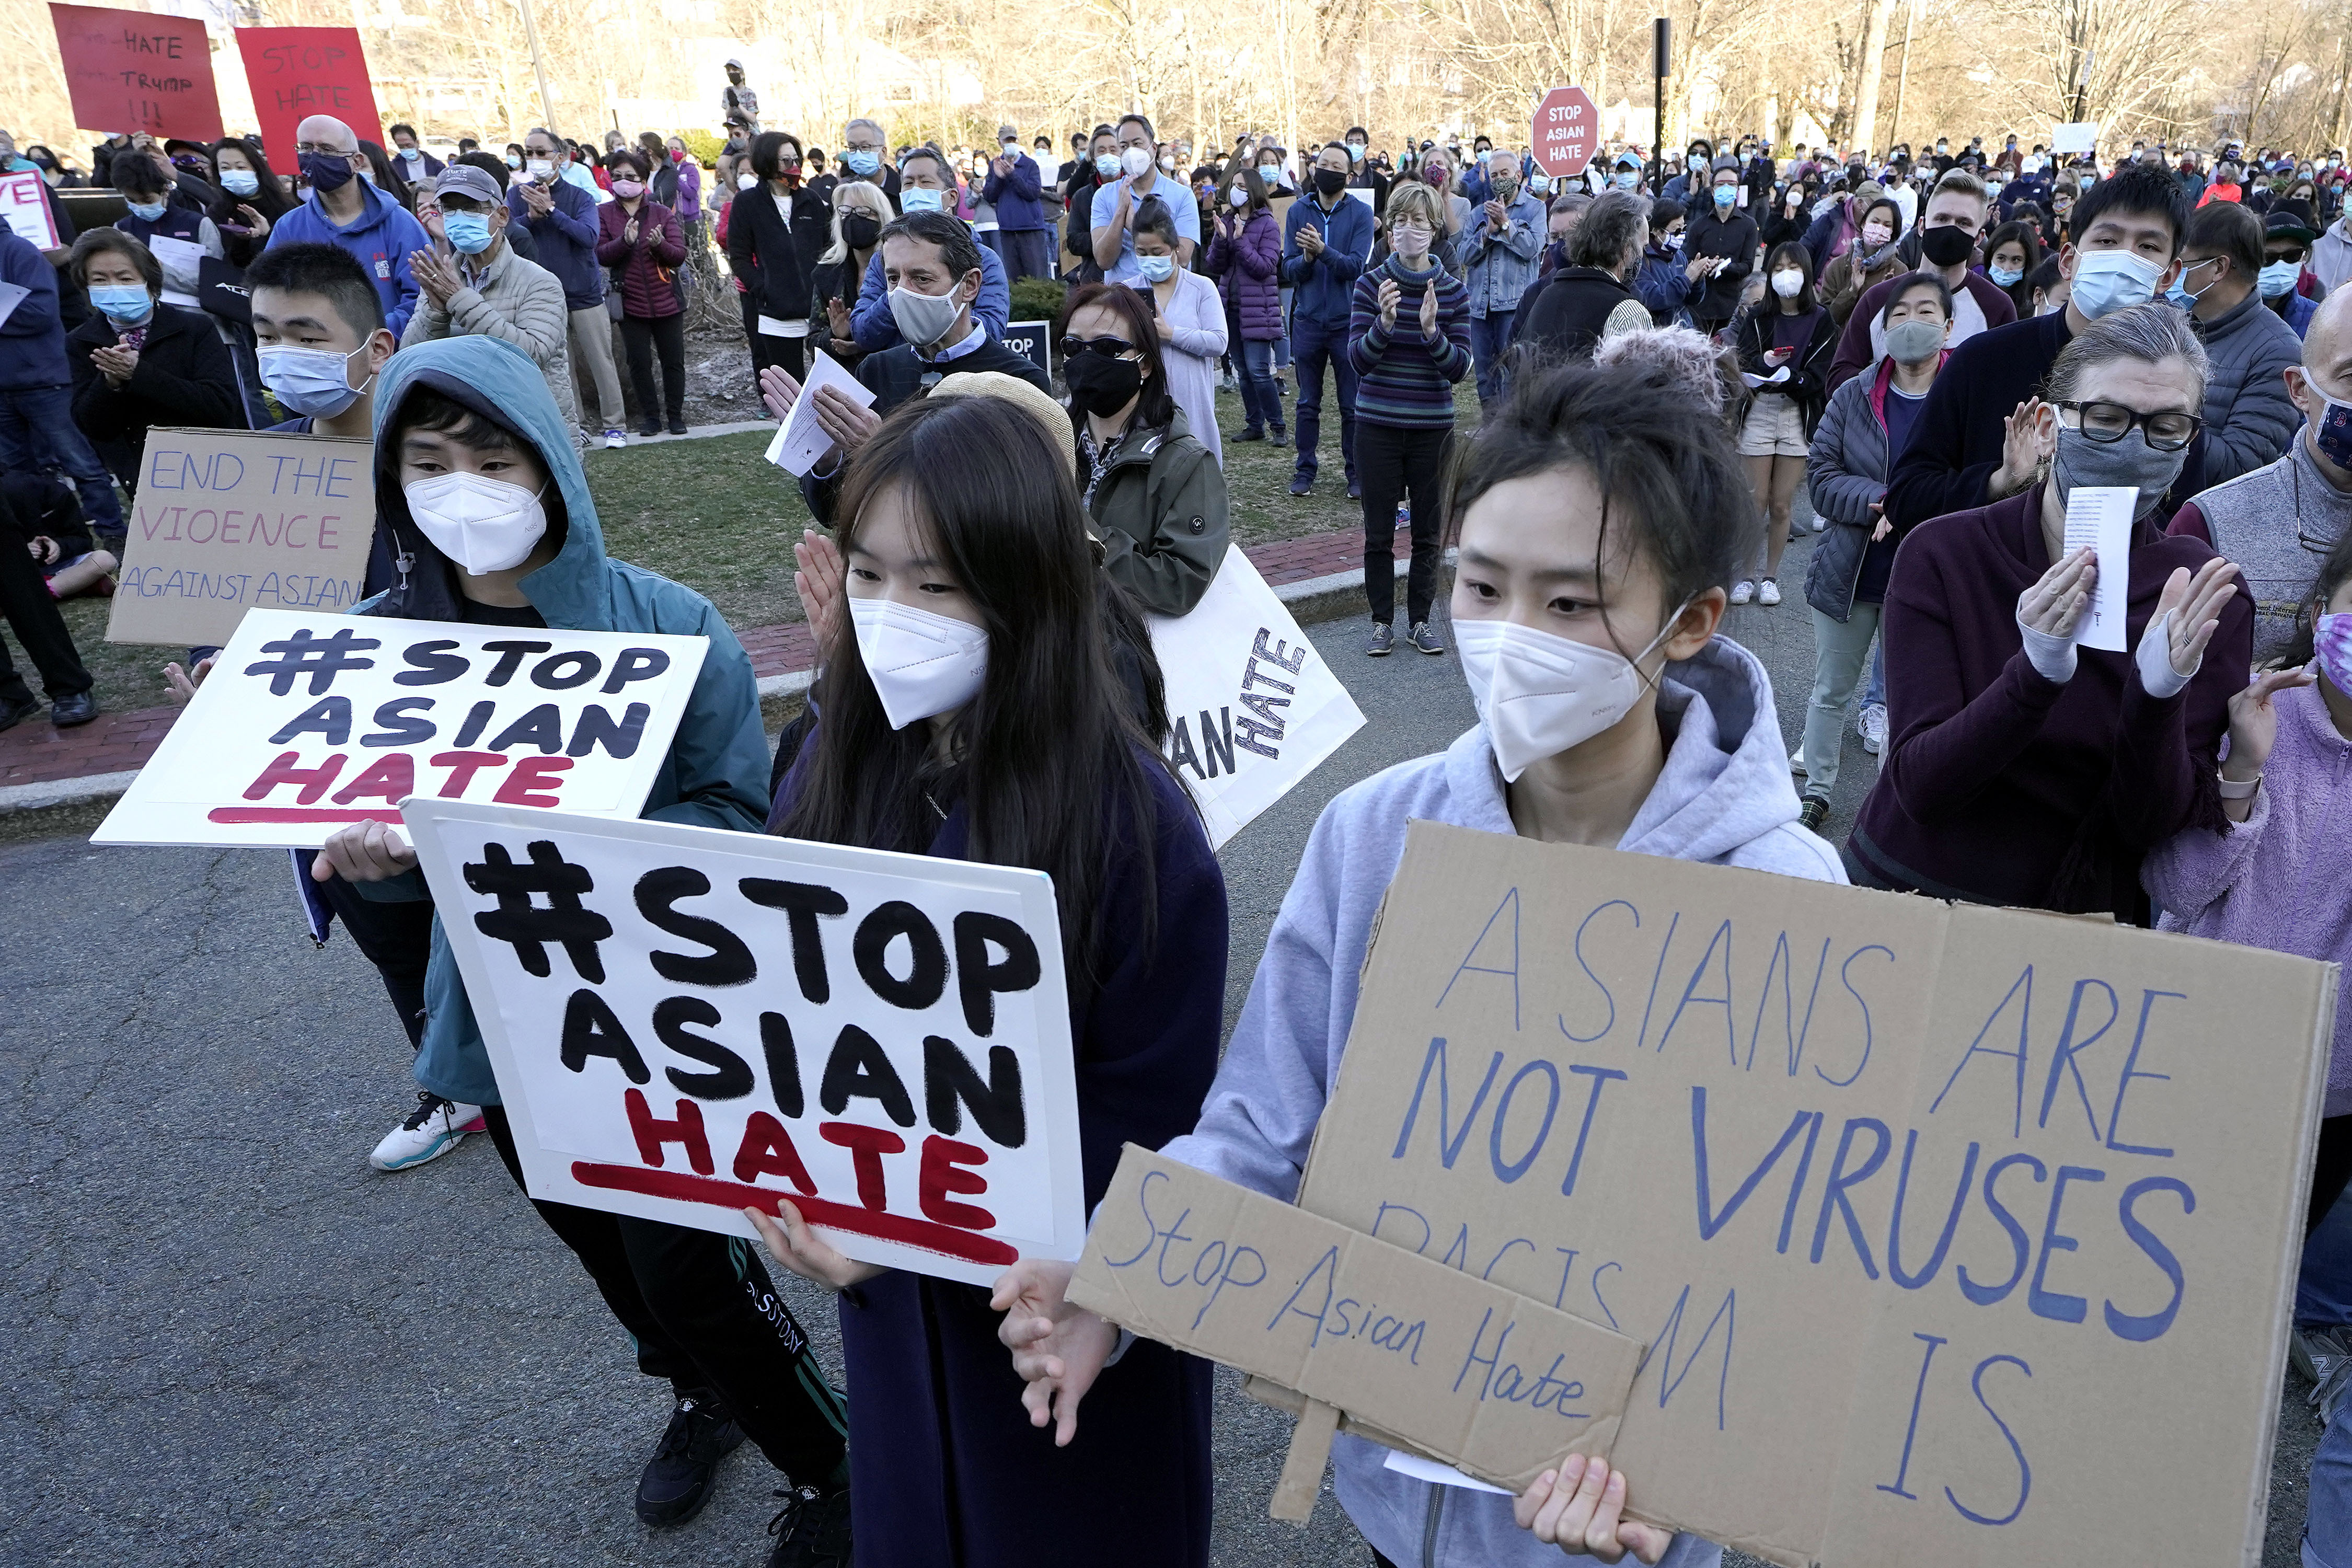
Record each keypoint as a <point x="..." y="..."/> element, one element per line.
<point x="311" y="721"/>
<point x="1954" y="1235"/>
<point x="685" y="1022"/>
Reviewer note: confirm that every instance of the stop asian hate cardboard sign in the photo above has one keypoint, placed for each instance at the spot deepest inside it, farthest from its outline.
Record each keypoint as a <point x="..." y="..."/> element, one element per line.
<point x="1956" y="1235"/>
<point x="685" y="1022"/>
<point x="312" y="722"/>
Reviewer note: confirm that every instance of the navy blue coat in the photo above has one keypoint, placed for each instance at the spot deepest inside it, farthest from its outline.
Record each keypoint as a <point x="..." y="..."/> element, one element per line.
<point x="945" y="1467"/>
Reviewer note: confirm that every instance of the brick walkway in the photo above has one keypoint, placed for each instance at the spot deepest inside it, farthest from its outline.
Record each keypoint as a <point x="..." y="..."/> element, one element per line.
<point x="37" y="753"/>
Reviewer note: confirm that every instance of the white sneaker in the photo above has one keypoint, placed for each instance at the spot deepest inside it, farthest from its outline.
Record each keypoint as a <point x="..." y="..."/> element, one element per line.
<point x="615" y="438"/>
<point x="431" y="1131"/>
<point x="1797" y="760"/>
<point x="1768" y="593"/>
<point x="1873" y="725"/>
<point x="1742" y="592"/>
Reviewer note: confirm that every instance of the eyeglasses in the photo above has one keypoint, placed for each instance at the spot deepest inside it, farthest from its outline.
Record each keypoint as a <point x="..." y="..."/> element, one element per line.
<point x="2292" y="253"/>
<point x="324" y="150"/>
<point x="2105" y="422"/>
<point x="1109" y="348"/>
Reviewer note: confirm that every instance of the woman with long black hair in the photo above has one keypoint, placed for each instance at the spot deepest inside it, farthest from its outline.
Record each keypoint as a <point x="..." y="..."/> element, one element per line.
<point x="252" y="198"/>
<point x="962" y="533"/>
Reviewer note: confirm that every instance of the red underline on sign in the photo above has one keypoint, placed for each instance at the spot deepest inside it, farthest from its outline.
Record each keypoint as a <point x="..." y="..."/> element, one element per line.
<point x="299" y="813"/>
<point x="946" y="1239"/>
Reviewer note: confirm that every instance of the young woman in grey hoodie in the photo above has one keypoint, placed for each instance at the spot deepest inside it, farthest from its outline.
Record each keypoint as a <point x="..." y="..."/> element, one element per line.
<point x="1663" y="740"/>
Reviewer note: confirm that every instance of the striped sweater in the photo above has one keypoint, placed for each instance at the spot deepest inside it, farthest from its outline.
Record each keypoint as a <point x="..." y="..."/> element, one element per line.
<point x="1406" y="380"/>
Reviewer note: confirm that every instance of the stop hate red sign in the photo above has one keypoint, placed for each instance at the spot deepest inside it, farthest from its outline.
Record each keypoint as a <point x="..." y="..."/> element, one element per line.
<point x="1566" y="130"/>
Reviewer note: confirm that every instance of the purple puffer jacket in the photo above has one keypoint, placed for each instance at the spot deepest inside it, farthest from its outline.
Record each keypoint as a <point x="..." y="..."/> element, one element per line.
<point x="1244" y="270"/>
<point x="644" y="293"/>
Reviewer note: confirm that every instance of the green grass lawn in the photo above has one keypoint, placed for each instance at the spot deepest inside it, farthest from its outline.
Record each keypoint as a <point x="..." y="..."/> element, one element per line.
<point x="714" y="515"/>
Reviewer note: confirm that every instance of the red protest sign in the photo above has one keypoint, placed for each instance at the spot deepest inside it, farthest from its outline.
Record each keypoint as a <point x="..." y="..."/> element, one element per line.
<point x="132" y="71"/>
<point x="1566" y="130"/>
<point x="300" y="71"/>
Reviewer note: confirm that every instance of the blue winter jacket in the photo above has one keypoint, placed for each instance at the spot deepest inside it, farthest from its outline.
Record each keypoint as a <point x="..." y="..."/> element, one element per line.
<point x="33" y="338"/>
<point x="564" y="241"/>
<point x="716" y="775"/>
<point x="1323" y="286"/>
<point x="382" y="240"/>
<point x="1017" y="196"/>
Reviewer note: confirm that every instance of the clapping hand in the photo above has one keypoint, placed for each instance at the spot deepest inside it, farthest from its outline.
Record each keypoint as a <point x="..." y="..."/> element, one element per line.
<point x="1428" y="313"/>
<point x="537" y="197"/>
<point x="2052" y="604"/>
<point x="1389" y="295"/>
<point x="116" y="361"/>
<point x="253" y="221"/>
<point x="435" y="275"/>
<point x="2019" y="457"/>
<point x="1310" y="241"/>
<point x="817" y="579"/>
<point x="2195" y="605"/>
<point x="181" y="683"/>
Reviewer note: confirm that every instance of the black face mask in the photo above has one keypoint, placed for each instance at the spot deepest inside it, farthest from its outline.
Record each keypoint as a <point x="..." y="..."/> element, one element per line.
<point x="1946" y="244"/>
<point x="1100" y="385"/>
<point x="859" y="232"/>
<point x="1331" y="182"/>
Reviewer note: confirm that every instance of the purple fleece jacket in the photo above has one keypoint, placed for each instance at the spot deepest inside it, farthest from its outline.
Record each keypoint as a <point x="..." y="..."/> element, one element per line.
<point x="2282" y="878"/>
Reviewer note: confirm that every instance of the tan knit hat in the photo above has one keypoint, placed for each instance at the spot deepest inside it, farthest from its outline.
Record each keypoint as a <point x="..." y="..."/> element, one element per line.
<point x="1025" y="397"/>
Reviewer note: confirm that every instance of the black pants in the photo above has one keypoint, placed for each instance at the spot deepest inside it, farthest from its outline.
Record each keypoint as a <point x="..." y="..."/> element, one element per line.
<point x="767" y="350"/>
<point x="1394" y="462"/>
<point x="643" y="336"/>
<point x="396" y="938"/>
<point x="2331" y="1168"/>
<point x="31" y="614"/>
<point x="706" y="1316"/>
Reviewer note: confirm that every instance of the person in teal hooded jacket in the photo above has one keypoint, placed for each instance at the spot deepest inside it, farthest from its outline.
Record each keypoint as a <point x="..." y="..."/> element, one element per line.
<point x="699" y="1306"/>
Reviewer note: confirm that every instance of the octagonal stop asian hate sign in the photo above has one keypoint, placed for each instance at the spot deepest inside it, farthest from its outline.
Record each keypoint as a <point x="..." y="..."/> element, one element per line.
<point x="1566" y="130"/>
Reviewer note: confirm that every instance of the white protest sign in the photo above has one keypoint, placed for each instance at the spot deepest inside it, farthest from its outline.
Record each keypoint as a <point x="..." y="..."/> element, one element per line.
<point x="2099" y="517"/>
<point x="228" y="520"/>
<point x="27" y="210"/>
<point x="1252" y="706"/>
<point x="311" y="721"/>
<point x="685" y="1022"/>
<point x="2079" y="136"/>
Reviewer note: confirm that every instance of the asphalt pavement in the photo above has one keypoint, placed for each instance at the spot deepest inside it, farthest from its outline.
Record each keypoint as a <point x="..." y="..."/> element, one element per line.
<point x="235" y="1344"/>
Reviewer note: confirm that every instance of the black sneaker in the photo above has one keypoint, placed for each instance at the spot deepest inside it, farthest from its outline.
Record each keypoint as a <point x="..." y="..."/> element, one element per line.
<point x="1812" y="813"/>
<point x="14" y="713"/>
<point x="1355" y="490"/>
<point x="1302" y="484"/>
<point x="1258" y="434"/>
<point x="676" y="1479"/>
<point x="678" y="427"/>
<point x="650" y="428"/>
<point x="1381" y="642"/>
<point x="67" y="711"/>
<point x="1423" y="638"/>
<point x="811" y="1530"/>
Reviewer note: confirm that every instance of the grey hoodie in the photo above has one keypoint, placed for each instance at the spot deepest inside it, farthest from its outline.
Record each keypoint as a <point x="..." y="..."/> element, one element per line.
<point x="1725" y="797"/>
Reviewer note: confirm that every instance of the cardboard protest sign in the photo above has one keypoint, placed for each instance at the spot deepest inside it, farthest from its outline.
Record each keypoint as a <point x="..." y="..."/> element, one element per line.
<point x="1957" y="1235"/>
<point x="298" y="71"/>
<point x="138" y="70"/>
<point x="27" y="210"/>
<point x="310" y="722"/>
<point x="1466" y="1371"/>
<point x="226" y="520"/>
<point x="685" y="1021"/>
<point x="1253" y="706"/>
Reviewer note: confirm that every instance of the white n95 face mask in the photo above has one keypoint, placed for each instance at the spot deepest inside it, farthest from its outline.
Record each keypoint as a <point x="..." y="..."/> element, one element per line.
<point x="922" y="664"/>
<point x="482" y="524"/>
<point x="1541" y="694"/>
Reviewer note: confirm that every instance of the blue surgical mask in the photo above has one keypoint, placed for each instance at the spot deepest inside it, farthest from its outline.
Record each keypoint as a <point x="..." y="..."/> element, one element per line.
<point x="121" y="302"/>
<point x="2107" y="281"/>
<point x="2007" y="277"/>
<point x="1107" y="167"/>
<point x="240" y="182"/>
<point x="314" y="382"/>
<point x="1158" y="268"/>
<point x="150" y="211"/>
<point x="1627" y="179"/>
<point x="2277" y="278"/>
<point x="1726" y="194"/>
<point x="911" y="200"/>
<point x="862" y="160"/>
<point x="469" y="233"/>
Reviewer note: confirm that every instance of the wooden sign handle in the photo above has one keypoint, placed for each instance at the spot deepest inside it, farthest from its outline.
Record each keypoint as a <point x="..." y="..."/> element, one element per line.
<point x="1302" y="1468"/>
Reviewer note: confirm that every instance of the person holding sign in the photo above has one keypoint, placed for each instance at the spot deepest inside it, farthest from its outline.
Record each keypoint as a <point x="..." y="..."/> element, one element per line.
<point x="1599" y="528"/>
<point x="2021" y="768"/>
<point x="970" y="712"/>
<point x="479" y="488"/>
